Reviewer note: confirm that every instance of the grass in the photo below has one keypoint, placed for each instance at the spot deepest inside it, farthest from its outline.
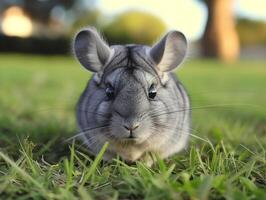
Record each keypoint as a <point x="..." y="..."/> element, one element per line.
<point x="37" y="97"/>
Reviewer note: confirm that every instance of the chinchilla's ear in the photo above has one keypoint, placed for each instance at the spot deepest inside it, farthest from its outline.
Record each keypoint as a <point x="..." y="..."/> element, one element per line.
<point x="91" y="50"/>
<point x="169" y="52"/>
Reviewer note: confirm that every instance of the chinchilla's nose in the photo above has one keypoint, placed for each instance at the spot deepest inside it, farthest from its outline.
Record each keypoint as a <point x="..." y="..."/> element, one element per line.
<point x="130" y="127"/>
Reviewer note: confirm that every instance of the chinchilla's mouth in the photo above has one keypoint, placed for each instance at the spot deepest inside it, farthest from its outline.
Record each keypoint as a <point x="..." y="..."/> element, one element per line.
<point x="131" y="140"/>
<point x="127" y="140"/>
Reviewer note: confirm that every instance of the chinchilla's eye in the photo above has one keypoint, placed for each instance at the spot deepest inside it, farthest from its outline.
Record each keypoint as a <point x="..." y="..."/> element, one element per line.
<point x="109" y="92"/>
<point x="152" y="92"/>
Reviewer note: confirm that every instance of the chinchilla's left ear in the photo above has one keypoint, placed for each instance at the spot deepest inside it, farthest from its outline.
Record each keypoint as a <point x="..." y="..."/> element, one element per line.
<point x="169" y="52"/>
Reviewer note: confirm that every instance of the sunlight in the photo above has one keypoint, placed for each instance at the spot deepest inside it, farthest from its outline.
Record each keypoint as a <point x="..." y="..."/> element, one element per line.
<point x="16" y="23"/>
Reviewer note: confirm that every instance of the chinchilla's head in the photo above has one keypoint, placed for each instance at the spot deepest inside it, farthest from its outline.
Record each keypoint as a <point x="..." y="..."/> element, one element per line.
<point x="131" y="90"/>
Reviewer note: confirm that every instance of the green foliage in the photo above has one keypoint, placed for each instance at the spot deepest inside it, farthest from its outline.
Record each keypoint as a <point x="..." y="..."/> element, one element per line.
<point x="134" y="27"/>
<point x="226" y="157"/>
<point x="251" y="32"/>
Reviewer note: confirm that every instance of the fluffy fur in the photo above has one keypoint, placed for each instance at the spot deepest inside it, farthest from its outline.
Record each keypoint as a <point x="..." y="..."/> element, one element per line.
<point x="133" y="123"/>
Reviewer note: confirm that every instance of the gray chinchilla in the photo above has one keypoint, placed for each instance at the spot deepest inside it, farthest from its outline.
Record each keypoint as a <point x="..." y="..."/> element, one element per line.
<point x="132" y="101"/>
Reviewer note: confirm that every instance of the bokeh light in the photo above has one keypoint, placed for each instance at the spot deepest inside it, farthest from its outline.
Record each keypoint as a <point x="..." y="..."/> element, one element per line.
<point x="16" y="23"/>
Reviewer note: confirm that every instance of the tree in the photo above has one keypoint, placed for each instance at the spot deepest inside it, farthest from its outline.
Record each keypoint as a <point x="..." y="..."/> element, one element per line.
<point x="251" y="32"/>
<point x="220" y="39"/>
<point x="134" y="27"/>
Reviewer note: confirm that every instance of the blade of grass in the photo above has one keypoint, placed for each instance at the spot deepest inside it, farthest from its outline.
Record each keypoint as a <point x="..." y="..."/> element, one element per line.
<point x="24" y="174"/>
<point x="84" y="195"/>
<point x="201" y="162"/>
<point x="28" y="155"/>
<point x="96" y="161"/>
<point x="204" y="188"/>
<point x="69" y="165"/>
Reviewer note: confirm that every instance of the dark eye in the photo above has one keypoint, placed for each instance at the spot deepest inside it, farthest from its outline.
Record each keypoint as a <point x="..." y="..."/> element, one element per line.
<point x="109" y="92"/>
<point x="152" y="92"/>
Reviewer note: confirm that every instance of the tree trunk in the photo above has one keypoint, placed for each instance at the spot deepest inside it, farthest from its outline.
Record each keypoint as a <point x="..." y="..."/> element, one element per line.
<point x="220" y="39"/>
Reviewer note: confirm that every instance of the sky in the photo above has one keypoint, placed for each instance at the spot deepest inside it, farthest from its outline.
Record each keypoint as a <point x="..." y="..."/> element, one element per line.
<point x="188" y="16"/>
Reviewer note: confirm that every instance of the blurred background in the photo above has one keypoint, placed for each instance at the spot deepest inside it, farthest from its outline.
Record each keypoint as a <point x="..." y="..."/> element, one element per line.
<point x="225" y="72"/>
<point x="224" y="29"/>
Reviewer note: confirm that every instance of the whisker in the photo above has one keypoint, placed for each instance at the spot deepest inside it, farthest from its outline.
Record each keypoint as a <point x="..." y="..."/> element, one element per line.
<point x="97" y="113"/>
<point x="158" y="111"/>
<point x="84" y="131"/>
<point x="214" y="106"/>
<point x="180" y="129"/>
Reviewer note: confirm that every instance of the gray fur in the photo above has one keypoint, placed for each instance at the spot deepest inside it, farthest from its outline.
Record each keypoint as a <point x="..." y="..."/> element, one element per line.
<point x="91" y="51"/>
<point x="162" y="123"/>
<point x="170" y="51"/>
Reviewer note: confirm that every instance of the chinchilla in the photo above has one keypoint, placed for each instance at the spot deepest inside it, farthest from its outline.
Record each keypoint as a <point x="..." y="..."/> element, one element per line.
<point x="133" y="101"/>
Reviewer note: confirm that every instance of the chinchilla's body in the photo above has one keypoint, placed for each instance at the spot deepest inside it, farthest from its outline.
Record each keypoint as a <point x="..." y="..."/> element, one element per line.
<point x="132" y="101"/>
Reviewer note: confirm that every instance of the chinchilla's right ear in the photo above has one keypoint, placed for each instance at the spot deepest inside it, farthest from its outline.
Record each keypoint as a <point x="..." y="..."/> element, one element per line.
<point x="169" y="52"/>
<point x="91" y="50"/>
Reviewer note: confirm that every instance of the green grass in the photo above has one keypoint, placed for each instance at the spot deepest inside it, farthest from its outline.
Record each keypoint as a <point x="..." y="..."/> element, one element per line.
<point x="227" y="161"/>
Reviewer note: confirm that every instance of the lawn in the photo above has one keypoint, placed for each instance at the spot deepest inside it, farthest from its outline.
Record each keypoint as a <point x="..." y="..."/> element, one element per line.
<point x="226" y="157"/>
